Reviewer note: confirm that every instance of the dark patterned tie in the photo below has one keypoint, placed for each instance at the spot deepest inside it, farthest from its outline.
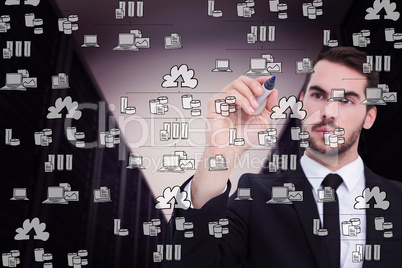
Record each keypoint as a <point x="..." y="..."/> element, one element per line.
<point x="331" y="221"/>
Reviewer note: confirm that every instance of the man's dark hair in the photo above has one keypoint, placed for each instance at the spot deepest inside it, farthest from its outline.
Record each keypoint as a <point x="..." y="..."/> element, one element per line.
<point x="348" y="56"/>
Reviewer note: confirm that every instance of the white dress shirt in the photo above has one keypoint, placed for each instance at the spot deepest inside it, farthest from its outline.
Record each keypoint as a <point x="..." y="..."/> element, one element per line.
<point x="352" y="187"/>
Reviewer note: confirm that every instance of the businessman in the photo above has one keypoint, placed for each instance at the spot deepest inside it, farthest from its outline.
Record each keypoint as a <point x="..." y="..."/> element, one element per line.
<point x="359" y="225"/>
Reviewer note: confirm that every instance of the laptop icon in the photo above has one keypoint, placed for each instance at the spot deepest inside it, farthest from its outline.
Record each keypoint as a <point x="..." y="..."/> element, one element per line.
<point x="280" y="195"/>
<point x="126" y="42"/>
<point x="258" y="66"/>
<point x="337" y="94"/>
<point x="172" y="41"/>
<point x="373" y="96"/>
<point x="102" y="195"/>
<point x="171" y="163"/>
<point x="60" y="81"/>
<point x="326" y="195"/>
<point x="55" y="195"/>
<point x="217" y="163"/>
<point x="243" y="194"/>
<point x="222" y="65"/>
<point x="90" y="40"/>
<point x="19" y="194"/>
<point x="13" y="82"/>
<point x="135" y="162"/>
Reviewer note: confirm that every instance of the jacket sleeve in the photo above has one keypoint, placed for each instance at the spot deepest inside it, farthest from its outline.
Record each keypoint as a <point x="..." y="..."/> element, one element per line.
<point x="204" y="249"/>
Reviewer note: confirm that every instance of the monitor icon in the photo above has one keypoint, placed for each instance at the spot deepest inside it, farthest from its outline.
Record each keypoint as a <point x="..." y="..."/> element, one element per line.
<point x="171" y="163"/>
<point x="90" y="40"/>
<point x="19" y="194"/>
<point x="13" y="82"/>
<point x="243" y="194"/>
<point x="373" y="96"/>
<point x="337" y="94"/>
<point x="55" y="195"/>
<point x="222" y="65"/>
<point x="280" y="195"/>
<point x="258" y="66"/>
<point x="135" y="162"/>
<point x="126" y="42"/>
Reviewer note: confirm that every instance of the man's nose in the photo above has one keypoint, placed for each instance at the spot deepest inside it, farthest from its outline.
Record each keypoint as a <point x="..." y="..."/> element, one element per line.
<point x="331" y="110"/>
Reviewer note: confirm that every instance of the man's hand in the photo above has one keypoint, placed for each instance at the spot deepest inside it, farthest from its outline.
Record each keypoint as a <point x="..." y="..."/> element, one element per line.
<point x="207" y="184"/>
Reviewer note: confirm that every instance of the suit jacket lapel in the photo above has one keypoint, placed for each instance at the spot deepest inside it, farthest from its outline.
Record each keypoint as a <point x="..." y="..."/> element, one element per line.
<point x="372" y="236"/>
<point x="307" y="211"/>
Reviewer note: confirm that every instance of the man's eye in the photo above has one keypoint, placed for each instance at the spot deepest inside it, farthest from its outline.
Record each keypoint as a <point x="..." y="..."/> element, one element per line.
<point x="317" y="95"/>
<point x="348" y="101"/>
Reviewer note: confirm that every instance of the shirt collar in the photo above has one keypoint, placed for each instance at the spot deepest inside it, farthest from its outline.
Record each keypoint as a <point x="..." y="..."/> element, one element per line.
<point x="315" y="172"/>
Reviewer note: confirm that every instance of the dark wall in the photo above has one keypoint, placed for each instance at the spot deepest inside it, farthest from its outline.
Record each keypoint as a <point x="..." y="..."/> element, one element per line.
<point x="380" y="146"/>
<point x="77" y="225"/>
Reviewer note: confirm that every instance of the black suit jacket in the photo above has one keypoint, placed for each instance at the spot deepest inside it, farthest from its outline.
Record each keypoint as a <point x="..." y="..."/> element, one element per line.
<point x="267" y="235"/>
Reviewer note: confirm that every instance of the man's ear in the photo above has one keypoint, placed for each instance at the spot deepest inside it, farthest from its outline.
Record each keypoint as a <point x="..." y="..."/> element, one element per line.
<point x="301" y="96"/>
<point x="370" y="117"/>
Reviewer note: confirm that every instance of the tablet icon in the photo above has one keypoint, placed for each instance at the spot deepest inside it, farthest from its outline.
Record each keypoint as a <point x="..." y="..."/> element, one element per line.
<point x="102" y="195"/>
<point x="304" y="66"/>
<point x="172" y="41"/>
<point x="326" y="195"/>
<point x="60" y="81"/>
<point x="217" y="163"/>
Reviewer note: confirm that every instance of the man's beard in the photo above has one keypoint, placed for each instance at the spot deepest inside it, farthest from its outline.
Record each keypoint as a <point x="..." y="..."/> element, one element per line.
<point x="342" y="148"/>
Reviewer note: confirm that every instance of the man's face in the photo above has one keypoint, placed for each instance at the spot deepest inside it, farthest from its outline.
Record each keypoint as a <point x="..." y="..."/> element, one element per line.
<point x="324" y="115"/>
